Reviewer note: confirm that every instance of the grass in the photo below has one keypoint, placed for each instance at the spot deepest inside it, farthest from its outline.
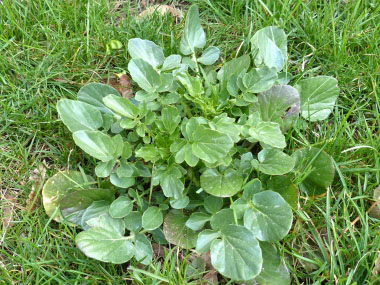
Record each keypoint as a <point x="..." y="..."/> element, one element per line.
<point x="48" y="49"/>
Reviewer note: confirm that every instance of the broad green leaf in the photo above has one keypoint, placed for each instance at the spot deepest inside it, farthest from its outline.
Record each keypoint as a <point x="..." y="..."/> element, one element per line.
<point x="319" y="168"/>
<point x="171" y="98"/>
<point x="268" y="133"/>
<point x="193" y="34"/>
<point x="78" y="116"/>
<point x="210" y="145"/>
<point x="318" y="96"/>
<point x="246" y="163"/>
<point x="144" y="75"/>
<point x="233" y="68"/>
<point x="171" y="182"/>
<point x="121" y="207"/>
<point x="275" y="162"/>
<point x="170" y="118"/>
<point x="274" y="270"/>
<point x="251" y="188"/>
<point x="171" y="62"/>
<point x="166" y="84"/>
<point x="105" y="221"/>
<point x="148" y="153"/>
<point x="226" y="125"/>
<point x="133" y="221"/>
<point x="197" y="220"/>
<point x="269" y="47"/>
<point x="213" y="204"/>
<point x="269" y="217"/>
<point x="192" y="84"/>
<point x="284" y="186"/>
<point x="152" y="218"/>
<point x="103" y="169"/>
<point x="222" y="218"/>
<point x="59" y="185"/>
<point x="127" y="150"/>
<point x="146" y="50"/>
<point x="74" y="204"/>
<point x="237" y="255"/>
<point x="144" y="251"/>
<point x="93" y="94"/>
<point x="96" y="209"/>
<point x="240" y="206"/>
<point x="209" y="56"/>
<point x="274" y="103"/>
<point x="106" y="246"/>
<point x="219" y="184"/>
<point x="122" y="182"/>
<point x="143" y="96"/>
<point x="96" y="144"/>
<point x="259" y="79"/>
<point x="205" y="238"/>
<point x="122" y="106"/>
<point x="176" y="232"/>
<point x="180" y="203"/>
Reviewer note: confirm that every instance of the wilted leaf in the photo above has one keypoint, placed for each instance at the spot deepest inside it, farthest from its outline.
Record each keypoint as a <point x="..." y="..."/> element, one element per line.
<point x="160" y="9"/>
<point x="38" y="175"/>
<point x="10" y="200"/>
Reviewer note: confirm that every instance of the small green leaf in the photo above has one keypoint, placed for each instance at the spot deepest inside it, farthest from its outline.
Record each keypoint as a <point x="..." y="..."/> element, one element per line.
<point x="144" y="251"/>
<point x="268" y="133"/>
<point x="275" y="162"/>
<point x="133" y="221"/>
<point x="144" y="75"/>
<point x="209" y="56"/>
<point x="106" y="246"/>
<point x="193" y="34"/>
<point x="226" y="125"/>
<point x="152" y="218"/>
<point x="122" y="182"/>
<point x="93" y="94"/>
<point x="96" y="144"/>
<point x="148" y="153"/>
<point x="121" y="207"/>
<point x="270" y="217"/>
<point x="213" y="204"/>
<point x="210" y="145"/>
<point x="171" y="62"/>
<point x="78" y="116"/>
<point x="127" y="150"/>
<point x="180" y="203"/>
<point x="170" y="118"/>
<point x="274" y="269"/>
<point x="146" y="50"/>
<point x="284" y="186"/>
<point x="176" y="232"/>
<point x="318" y="96"/>
<point x="105" y="221"/>
<point x="237" y="255"/>
<point x="171" y="183"/>
<point x="197" y="221"/>
<point x="222" y="218"/>
<point x="252" y="187"/>
<point x="96" y="209"/>
<point x="103" y="169"/>
<point x="259" y="79"/>
<point x="269" y="47"/>
<point x="219" y="184"/>
<point x="318" y="166"/>
<point x="205" y="238"/>
<point x="59" y="185"/>
<point x="122" y="106"/>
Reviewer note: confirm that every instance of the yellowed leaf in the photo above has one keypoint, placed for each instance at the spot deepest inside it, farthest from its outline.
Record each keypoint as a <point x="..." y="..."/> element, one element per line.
<point x="161" y="9"/>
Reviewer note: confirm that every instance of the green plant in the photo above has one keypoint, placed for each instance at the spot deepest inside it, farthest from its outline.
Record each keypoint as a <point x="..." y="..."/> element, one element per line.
<point x="196" y="157"/>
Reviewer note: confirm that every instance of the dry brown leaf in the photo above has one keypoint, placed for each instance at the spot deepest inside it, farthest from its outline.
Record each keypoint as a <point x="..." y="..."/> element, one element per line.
<point x="211" y="277"/>
<point x="158" y="250"/>
<point x="376" y="268"/>
<point x="161" y="9"/>
<point x="37" y="175"/>
<point x="10" y="200"/>
<point x="123" y="85"/>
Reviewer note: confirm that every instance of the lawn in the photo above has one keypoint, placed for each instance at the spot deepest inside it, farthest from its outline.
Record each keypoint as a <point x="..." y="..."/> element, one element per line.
<point x="49" y="49"/>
